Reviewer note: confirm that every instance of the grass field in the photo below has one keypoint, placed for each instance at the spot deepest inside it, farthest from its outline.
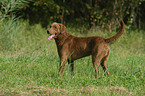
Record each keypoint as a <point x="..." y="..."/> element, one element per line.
<point x="29" y="64"/>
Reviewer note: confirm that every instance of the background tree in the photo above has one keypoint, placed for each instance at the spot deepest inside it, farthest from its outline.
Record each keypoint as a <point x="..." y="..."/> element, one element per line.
<point x="102" y="13"/>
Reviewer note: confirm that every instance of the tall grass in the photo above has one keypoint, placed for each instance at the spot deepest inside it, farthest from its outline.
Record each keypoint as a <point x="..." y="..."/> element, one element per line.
<point x="9" y="7"/>
<point x="29" y="64"/>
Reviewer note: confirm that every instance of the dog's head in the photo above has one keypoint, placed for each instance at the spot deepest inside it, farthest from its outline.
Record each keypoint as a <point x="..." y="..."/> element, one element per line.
<point x="55" y="30"/>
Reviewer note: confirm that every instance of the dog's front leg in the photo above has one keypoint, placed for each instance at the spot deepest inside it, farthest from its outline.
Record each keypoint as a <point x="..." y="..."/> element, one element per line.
<point x="71" y="63"/>
<point x="62" y="65"/>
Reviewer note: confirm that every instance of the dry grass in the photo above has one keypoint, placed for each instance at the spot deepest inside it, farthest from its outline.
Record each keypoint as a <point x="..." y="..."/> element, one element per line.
<point x="91" y="89"/>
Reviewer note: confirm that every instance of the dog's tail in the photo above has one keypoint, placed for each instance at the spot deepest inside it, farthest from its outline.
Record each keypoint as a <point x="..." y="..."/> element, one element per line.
<point x="118" y="34"/>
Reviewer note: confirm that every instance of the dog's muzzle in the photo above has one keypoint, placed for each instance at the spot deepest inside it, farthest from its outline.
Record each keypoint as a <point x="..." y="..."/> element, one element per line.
<point x="50" y="37"/>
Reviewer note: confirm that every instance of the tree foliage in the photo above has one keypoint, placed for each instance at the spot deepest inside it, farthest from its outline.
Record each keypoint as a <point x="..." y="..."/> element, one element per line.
<point x="102" y="13"/>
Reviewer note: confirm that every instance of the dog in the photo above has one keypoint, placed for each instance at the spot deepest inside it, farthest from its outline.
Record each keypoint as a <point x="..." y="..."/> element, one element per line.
<point x="71" y="48"/>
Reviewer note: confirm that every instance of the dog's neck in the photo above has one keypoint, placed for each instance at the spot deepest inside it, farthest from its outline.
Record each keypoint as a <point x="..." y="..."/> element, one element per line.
<point x="62" y="37"/>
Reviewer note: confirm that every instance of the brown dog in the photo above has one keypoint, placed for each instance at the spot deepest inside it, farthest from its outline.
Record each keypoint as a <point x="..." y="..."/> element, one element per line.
<point x="71" y="48"/>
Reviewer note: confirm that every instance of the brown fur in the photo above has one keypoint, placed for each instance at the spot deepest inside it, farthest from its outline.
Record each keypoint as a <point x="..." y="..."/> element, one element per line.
<point x="71" y="48"/>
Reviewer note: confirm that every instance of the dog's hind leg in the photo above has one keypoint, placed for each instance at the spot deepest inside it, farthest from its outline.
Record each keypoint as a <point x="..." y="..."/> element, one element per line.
<point x="104" y="63"/>
<point x="96" y="59"/>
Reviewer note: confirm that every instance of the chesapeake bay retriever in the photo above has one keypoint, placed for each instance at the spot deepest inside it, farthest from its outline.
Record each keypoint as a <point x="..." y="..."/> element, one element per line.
<point x="71" y="48"/>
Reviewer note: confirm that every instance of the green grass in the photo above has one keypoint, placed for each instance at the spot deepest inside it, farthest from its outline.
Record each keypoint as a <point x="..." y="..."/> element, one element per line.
<point x="29" y="64"/>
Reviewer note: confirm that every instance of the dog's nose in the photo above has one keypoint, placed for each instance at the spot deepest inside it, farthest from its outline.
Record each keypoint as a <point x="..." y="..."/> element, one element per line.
<point x="47" y="31"/>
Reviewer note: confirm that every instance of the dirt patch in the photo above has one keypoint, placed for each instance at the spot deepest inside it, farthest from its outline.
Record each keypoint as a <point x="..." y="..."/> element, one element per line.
<point x="91" y="89"/>
<point x="106" y="90"/>
<point x="120" y="90"/>
<point x="45" y="91"/>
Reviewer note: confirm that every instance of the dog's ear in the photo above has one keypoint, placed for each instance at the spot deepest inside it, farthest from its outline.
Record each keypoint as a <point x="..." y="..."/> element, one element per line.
<point x="62" y="27"/>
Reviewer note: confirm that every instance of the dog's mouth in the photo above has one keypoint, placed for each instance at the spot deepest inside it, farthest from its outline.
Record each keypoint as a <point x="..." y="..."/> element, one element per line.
<point x="51" y="36"/>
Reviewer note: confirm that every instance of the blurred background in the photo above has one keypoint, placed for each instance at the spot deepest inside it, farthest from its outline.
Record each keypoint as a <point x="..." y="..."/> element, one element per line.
<point x="104" y="13"/>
